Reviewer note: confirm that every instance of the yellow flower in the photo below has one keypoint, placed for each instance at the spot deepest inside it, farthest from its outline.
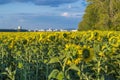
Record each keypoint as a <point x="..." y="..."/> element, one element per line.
<point x="114" y="41"/>
<point x="85" y="46"/>
<point x="77" y="61"/>
<point x="91" y="36"/>
<point x="75" y="51"/>
<point x="40" y="37"/>
<point x="101" y="54"/>
<point x="72" y="46"/>
<point x="68" y="62"/>
<point x="110" y="34"/>
<point x="67" y="46"/>
<point x="99" y="38"/>
<point x="11" y="45"/>
<point x="79" y="51"/>
<point x="103" y="47"/>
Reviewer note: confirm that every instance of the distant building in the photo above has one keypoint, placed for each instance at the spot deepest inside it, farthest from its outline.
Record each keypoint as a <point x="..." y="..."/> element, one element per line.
<point x="49" y="30"/>
<point x="55" y="30"/>
<point x="73" y="30"/>
<point x="41" y="30"/>
<point x="62" y="30"/>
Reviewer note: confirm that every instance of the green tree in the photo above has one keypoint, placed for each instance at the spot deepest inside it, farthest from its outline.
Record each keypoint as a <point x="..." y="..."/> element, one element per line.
<point x="101" y="15"/>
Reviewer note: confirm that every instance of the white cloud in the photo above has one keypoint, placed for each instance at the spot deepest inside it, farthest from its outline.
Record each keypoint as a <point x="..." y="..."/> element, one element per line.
<point x="65" y="14"/>
<point x="72" y="14"/>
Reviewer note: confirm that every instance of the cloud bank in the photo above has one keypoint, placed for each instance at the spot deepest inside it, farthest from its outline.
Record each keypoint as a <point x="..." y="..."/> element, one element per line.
<point x="41" y="2"/>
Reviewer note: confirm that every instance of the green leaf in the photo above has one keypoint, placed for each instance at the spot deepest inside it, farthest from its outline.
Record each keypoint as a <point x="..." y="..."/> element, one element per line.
<point x="20" y="65"/>
<point x="74" y="67"/>
<point x="118" y="77"/>
<point x="53" y="60"/>
<point x="53" y="74"/>
<point x="60" y="75"/>
<point x="4" y="73"/>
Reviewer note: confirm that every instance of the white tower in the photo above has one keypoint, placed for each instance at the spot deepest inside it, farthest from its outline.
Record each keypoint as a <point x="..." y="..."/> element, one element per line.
<point x="19" y="27"/>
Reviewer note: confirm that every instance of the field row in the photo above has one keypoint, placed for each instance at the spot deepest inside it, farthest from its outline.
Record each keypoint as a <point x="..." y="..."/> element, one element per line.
<point x="91" y="55"/>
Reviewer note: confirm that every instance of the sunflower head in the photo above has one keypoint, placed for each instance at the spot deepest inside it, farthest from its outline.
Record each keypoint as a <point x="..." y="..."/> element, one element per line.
<point x="87" y="54"/>
<point x="114" y="41"/>
<point x="73" y="52"/>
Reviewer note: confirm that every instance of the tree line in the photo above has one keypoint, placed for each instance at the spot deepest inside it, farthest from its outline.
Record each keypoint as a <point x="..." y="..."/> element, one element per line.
<point x="101" y="15"/>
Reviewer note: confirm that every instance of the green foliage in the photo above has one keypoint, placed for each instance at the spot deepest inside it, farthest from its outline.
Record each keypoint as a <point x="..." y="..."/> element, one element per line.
<point x="9" y="73"/>
<point x="101" y="15"/>
<point x="53" y="74"/>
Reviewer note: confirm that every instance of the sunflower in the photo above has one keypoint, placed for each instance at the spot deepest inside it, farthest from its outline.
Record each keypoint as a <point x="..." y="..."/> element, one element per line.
<point x="101" y="54"/>
<point x="114" y="41"/>
<point x="114" y="50"/>
<point x="87" y="54"/>
<point x="74" y="52"/>
<point x="12" y="44"/>
<point x="89" y="36"/>
<point x="77" y="61"/>
<point x="109" y="34"/>
<point x="72" y="47"/>
<point x="97" y="35"/>
<point x="68" y="62"/>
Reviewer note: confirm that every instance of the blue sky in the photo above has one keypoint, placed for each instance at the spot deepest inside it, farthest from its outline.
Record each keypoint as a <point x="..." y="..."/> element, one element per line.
<point x="41" y="14"/>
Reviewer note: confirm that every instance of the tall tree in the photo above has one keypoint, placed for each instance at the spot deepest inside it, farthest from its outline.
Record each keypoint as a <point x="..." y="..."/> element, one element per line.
<point x="101" y="15"/>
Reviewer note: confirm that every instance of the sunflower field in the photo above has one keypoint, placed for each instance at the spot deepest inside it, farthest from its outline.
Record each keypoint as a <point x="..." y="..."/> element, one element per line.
<point x="86" y="55"/>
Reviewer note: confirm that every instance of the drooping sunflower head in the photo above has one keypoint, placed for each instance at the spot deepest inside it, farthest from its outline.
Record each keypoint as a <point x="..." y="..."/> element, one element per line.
<point x="87" y="54"/>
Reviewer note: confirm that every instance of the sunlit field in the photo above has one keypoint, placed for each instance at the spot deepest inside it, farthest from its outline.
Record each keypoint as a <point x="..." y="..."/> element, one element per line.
<point x="90" y="55"/>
